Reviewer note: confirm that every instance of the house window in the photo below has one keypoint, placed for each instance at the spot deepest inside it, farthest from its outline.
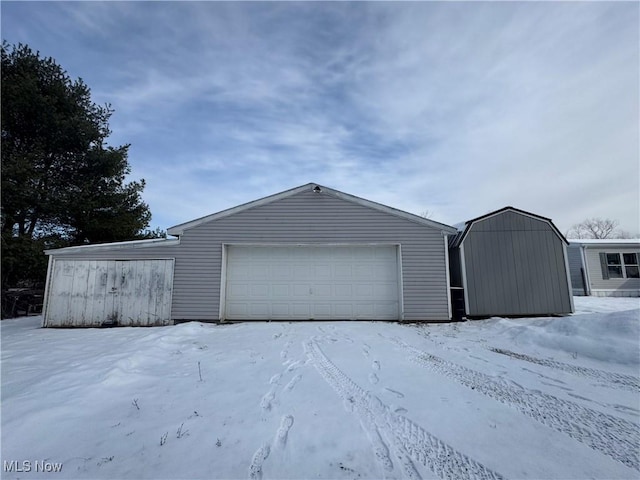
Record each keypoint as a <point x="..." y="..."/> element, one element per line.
<point x="620" y="265"/>
<point x="631" y="265"/>
<point x="614" y="266"/>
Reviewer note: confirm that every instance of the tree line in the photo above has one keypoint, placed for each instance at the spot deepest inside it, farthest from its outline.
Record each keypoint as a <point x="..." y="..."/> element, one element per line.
<point x="62" y="183"/>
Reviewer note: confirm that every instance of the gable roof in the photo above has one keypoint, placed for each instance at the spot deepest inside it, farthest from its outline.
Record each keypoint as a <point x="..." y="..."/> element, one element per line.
<point x="181" y="228"/>
<point x="462" y="233"/>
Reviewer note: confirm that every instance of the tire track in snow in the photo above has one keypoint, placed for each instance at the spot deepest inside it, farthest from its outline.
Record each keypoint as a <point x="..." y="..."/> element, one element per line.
<point x="614" y="380"/>
<point x="612" y="436"/>
<point x="409" y="442"/>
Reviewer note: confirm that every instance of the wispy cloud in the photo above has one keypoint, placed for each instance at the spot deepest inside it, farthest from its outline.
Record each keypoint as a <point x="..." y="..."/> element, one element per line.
<point x="459" y="108"/>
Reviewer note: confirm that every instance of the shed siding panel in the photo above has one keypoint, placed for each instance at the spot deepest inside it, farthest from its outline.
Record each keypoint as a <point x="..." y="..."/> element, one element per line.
<point x="92" y="292"/>
<point x="515" y="266"/>
<point x="600" y="286"/>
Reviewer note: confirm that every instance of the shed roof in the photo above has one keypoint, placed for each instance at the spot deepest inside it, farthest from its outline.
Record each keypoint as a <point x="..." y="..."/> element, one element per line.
<point x="153" y="242"/>
<point x="321" y="190"/>
<point x="462" y="233"/>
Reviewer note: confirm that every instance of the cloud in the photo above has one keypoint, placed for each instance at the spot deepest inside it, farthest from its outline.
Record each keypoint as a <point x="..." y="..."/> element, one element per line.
<point x="458" y="108"/>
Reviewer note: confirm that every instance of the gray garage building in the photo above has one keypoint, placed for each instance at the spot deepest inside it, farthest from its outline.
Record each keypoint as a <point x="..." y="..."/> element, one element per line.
<point x="510" y="263"/>
<point x="307" y="253"/>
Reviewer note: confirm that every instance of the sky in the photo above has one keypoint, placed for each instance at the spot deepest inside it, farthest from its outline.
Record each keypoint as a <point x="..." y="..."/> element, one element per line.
<point x="454" y="108"/>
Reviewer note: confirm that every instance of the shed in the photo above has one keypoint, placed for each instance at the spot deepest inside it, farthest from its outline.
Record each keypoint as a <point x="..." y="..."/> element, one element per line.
<point x="510" y="263"/>
<point x="309" y="253"/>
<point x="605" y="267"/>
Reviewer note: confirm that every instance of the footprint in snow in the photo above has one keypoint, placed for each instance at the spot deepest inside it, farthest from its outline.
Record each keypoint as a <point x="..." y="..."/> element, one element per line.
<point x="255" y="468"/>
<point x="265" y="403"/>
<point x="283" y="431"/>
<point x="395" y="392"/>
<point x="292" y="383"/>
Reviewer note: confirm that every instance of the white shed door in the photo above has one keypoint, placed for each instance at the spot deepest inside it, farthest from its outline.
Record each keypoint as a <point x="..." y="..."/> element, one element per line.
<point x="97" y="292"/>
<point x="312" y="282"/>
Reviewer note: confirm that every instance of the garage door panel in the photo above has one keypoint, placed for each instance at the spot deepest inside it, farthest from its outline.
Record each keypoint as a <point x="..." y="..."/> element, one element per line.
<point x="323" y="271"/>
<point x="259" y="271"/>
<point x="301" y="311"/>
<point x="322" y="290"/>
<point x="302" y="272"/>
<point x="343" y="272"/>
<point x="365" y="310"/>
<point x="342" y="291"/>
<point x="311" y="282"/>
<point x="280" y="290"/>
<point x="300" y="291"/>
<point x="384" y="309"/>
<point x="364" y="291"/>
<point x="280" y="310"/>
<point x="259" y="309"/>
<point x="281" y="271"/>
<point x="322" y="310"/>
<point x="260" y="291"/>
<point x="344" y="311"/>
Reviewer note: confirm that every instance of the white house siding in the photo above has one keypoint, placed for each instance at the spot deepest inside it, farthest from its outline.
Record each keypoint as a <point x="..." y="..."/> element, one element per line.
<point x="612" y="287"/>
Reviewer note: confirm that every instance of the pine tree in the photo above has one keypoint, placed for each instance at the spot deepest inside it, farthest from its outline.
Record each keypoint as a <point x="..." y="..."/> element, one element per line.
<point x="61" y="183"/>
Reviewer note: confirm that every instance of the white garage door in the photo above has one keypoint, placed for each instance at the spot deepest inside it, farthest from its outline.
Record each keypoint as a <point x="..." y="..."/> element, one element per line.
<point x="312" y="282"/>
<point x="118" y="292"/>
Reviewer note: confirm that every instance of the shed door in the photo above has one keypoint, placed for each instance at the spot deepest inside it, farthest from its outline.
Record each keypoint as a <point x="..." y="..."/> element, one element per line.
<point x="312" y="282"/>
<point x="97" y="292"/>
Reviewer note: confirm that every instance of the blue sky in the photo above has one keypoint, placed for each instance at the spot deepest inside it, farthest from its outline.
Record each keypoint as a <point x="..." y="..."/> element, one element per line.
<point x="455" y="108"/>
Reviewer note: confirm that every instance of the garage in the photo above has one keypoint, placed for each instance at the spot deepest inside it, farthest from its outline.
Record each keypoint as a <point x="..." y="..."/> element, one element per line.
<point x="312" y="282"/>
<point x="308" y="253"/>
<point x="109" y="292"/>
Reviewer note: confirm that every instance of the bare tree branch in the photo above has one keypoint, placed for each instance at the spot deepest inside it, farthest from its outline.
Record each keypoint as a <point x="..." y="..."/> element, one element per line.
<point x="596" y="228"/>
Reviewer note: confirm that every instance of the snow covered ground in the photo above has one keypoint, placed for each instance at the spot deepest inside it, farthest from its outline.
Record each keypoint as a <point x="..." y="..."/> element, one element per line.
<point x="526" y="398"/>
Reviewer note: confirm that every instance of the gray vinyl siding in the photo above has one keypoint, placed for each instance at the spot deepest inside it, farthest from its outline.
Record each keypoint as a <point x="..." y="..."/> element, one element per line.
<point x="611" y="286"/>
<point x="574" y="257"/>
<point x="309" y="218"/>
<point x="515" y="265"/>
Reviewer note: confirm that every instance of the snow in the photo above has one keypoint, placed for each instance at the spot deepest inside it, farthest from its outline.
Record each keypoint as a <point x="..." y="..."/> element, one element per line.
<point x="500" y="398"/>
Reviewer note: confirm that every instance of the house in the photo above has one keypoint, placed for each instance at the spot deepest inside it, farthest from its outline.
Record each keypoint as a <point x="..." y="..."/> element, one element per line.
<point x="309" y="253"/>
<point x="605" y="268"/>
<point x="510" y="263"/>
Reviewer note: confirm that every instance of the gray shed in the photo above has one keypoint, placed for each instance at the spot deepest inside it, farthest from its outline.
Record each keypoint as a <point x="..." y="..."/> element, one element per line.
<point x="605" y="267"/>
<point x="307" y="253"/>
<point x="510" y="263"/>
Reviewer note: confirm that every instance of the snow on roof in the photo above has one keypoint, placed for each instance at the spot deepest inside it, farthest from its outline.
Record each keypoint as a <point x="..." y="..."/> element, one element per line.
<point x="605" y="241"/>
